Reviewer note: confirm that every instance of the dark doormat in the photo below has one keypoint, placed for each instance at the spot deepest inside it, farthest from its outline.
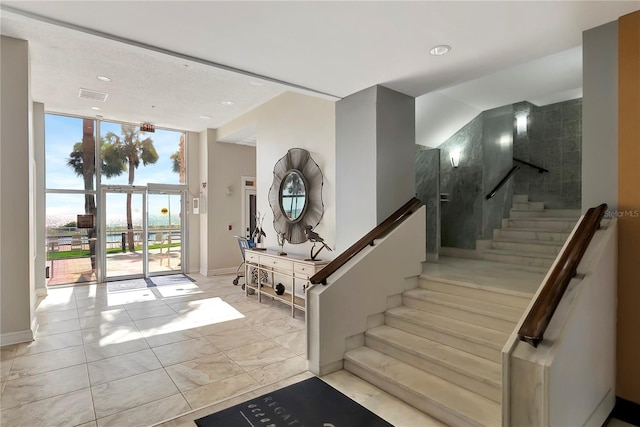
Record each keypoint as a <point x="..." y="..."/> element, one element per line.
<point x="311" y="402"/>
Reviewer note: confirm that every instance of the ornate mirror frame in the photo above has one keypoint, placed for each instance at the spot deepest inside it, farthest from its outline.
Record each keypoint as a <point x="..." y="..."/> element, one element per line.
<point x="297" y="160"/>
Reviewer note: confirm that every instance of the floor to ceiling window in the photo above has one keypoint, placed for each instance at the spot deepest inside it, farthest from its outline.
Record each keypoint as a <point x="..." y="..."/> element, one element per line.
<point x="114" y="200"/>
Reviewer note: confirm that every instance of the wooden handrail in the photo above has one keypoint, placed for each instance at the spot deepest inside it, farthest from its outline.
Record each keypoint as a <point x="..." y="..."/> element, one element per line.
<point x="538" y="318"/>
<point x="384" y="227"/>
<point x="502" y="182"/>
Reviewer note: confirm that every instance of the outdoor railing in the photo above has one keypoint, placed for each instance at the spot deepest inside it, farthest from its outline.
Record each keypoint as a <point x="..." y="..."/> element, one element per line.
<point x="538" y="318"/>
<point x="386" y="226"/>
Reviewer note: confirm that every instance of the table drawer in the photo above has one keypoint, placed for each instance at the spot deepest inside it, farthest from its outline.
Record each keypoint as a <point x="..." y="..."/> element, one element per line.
<point x="282" y="264"/>
<point x="304" y="270"/>
<point x="252" y="257"/>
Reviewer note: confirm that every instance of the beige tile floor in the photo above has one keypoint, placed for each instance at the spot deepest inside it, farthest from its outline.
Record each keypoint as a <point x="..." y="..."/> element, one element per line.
<point x="141" y="356"/>
<point x="163" y="356"/>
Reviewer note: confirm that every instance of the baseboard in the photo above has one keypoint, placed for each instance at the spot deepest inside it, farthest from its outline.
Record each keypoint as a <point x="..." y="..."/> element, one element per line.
<point x="627" y="411"/>
<point x="16" y="337"/>
<point x="599" y="416"/>
<point x="331" y="367"/>
<point x="222" y="271"/>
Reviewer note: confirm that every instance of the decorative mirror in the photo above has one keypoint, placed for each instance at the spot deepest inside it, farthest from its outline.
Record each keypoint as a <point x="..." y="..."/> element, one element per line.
<point x="296" y="195"/>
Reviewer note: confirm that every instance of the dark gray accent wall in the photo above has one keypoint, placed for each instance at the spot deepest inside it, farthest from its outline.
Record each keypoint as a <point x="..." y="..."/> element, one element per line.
<point x="553" y="140"/>
<point x="497" y="160"/>
<point x="461" y="216"/>
<point x="428" y="191"/>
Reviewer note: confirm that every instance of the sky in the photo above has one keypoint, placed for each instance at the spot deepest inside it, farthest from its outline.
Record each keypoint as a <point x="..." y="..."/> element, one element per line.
<point x="62" y="132"/>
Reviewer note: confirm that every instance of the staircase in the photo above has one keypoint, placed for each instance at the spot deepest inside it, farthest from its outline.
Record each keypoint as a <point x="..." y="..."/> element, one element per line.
<point x="532" y="236"/>
<point x="441" y="350"/>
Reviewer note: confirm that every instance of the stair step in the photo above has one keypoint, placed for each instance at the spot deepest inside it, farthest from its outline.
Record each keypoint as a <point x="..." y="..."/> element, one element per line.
<point x="541" y="224"/>
<point x="528" y="205"/>
<point x="516" y="245"/>
<point x="532" y="259"/>
<point x="476" y="292"/>
<point x="544" y="213"/>
<point x="474" y="339"/>
<point x="531" y="234"/>
<point x="448" y="402"/>
<point x="520" y="198"/>
<point x="493" y="316"/>
<point x="461" y="368"/>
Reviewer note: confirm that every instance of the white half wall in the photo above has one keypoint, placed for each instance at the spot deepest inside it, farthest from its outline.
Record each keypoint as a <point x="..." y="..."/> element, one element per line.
<point x="364" y="287"/>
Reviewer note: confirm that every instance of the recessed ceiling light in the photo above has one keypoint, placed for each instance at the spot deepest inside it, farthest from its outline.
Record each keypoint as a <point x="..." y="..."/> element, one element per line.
<point x="204" y="116"/>
<point x="256" y="83"/>
<point x="440" y="50"/>
<point x="227" y="103"/>
<point x="95" y="108"/>
<point x="104" y="78"/>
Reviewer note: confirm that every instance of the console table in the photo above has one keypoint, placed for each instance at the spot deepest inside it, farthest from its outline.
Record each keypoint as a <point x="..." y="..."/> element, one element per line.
<point x="296" y="268"/>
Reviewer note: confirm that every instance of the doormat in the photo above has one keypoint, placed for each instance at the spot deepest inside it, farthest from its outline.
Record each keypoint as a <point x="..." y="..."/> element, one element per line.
<point x="174" y="279"/>
<point x="311" y="402"/>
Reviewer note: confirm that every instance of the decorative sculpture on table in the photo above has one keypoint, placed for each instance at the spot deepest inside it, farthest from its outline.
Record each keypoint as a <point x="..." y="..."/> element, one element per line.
<point x="314" y="237"/>
<point x="281" y="239"/>
<point x="258" y="233"/>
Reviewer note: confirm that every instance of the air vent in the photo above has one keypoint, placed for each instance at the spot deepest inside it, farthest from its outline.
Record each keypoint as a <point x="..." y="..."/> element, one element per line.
<point x="93" y="95"/>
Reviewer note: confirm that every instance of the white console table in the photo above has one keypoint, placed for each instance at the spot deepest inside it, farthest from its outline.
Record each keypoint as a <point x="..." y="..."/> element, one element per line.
<point x="296" y="268"/>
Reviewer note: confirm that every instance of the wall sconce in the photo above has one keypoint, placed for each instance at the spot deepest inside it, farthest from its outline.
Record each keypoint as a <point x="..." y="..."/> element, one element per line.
<point x="521" y="123"/>
<point x="455" y="158"/>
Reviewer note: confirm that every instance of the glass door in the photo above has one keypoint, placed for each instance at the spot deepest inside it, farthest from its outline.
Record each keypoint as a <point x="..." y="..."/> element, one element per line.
<point x="124" y="245"/>
<point x="165" y="231"/>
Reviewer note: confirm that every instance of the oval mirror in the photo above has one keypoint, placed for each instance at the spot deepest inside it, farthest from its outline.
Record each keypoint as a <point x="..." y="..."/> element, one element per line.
<point x="293" y="195"/>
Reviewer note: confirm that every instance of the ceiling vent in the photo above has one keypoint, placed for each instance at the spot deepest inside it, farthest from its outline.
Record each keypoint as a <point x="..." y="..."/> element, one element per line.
<point x="93" y="95"/>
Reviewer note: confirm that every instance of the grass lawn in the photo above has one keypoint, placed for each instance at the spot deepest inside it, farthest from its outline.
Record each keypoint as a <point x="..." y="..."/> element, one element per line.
<point x="84" y="253"/>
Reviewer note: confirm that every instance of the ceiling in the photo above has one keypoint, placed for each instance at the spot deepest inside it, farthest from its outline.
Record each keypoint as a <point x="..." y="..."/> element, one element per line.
<point x="174" y="62"/>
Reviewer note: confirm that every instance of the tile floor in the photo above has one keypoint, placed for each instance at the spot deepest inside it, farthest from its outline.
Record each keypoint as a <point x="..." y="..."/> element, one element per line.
<point x="127" y="355"/>
<point x="137" y="356"/>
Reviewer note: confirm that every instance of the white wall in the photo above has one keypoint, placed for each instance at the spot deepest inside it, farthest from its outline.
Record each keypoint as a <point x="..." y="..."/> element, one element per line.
<point x="193" y="183"/>
<point x="16" y="254"/>
<point x="600" y="117"/>
<point x="370" y="283"/>
<point x="221" y="166"/>
<point x="291" y="120"/>
<point x="439" y="116"/>
<point x="38" y="200"/>
<point x="356" y="158"/>
<point x="375" y="160"/>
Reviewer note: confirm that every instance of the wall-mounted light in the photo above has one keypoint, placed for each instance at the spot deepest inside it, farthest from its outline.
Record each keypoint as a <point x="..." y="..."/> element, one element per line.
<point x="521" y="123"/>
<point x="229" y="191"/>
<point x="455" y="158"/>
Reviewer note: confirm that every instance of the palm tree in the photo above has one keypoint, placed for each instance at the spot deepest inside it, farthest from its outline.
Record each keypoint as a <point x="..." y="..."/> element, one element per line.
<point x="125" y="152"/>
<point x="178" y="160"/>
<point x="119" y="153"/>
<point x="82" y="160"/>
